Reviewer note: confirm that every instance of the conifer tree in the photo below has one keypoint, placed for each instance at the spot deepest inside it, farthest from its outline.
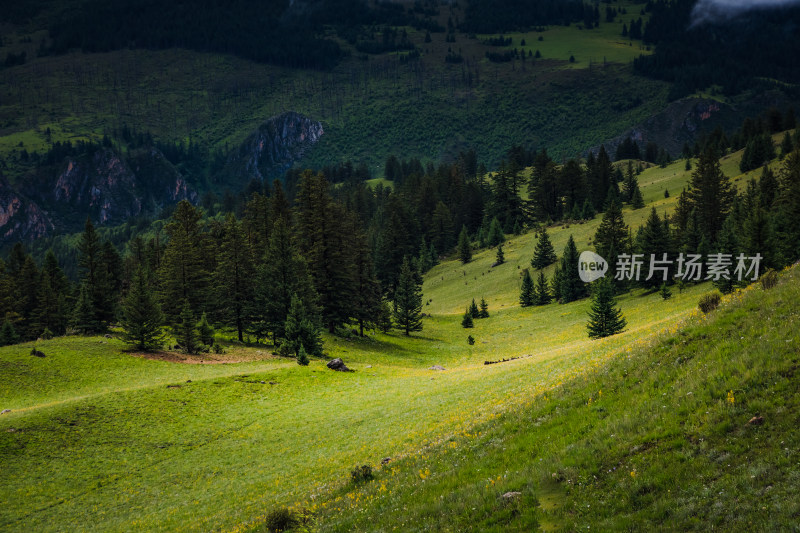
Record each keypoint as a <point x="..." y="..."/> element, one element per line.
<point x="665" y="292"/>
<point x="473" y="309"/>
<point x="205" y="332"/>
<point x="710" y="193"/>
<point x="604" y="318"/>
<point x="233" y="277"/>
<point x="786" y="145"/>
<point x="588" y="212"/>
<point x="183" y="276"/>
<point x="496" y="235"/>
<point x="185" y="331"/>
<point x="424" y="257"/>
<point x="142" y="319"/>
<point x="8" y="335"/>
<point x="572" y="287"/>
<point x="500" y="258"/>
<point x="527" y="295"/>
<point x="464" y="246"/>
<point x="556" y="284"/>
<point x="653" y="240"/>
<point x="434" y="256"/>
<point x="612" y="235"/>
<point x="466" y="322"/>
<point x="637" y="202"/>
<point x="408" y="300"/>
<point x="301" y="331"/>
<point x="543" y="295"/>
<point x="544" y="254"/>
<point x="282" y="273"/>
<point x="84" y="318"/>
<point x="484" y="312"/>
<point x="302" y="356"/>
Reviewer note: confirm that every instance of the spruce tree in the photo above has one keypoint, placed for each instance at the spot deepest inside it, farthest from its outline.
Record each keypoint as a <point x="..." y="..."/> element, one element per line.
<point x="710" y="193"/>
<point x="653" y="240"/>
<point x="183" y="275"/>
<point x="544" y="254"/>
<point x="637" y="202"/>
<point x="466" y="322"/>
<point x="484" y="312"/>
<point x="84" y="317"/>
<point x="8" y="335"/>
<point x="611" y="236"/>
<point x="666" y="294"/>
<point x="408" y="300"/>
<point x="282" y="273"/>
<point x="786" y="145"/>
<point x="301" y="331"/>
<point x="434" y="256"/>
<point x="233" y="278"/>
<point x="94" y="278"/>
<point x="588" y="212"/>
<point x="473" y="309"/>
<point x="464" y="246"/>
<point x="556" y="284"/>
<point x="501" y="258"/>
<point x="496" y="235"/>
<point x="604" y="318"/>
<point x="185" y="331"/>
<point x="572" y="287"/>
<point x="302" y="356"/>
<point x="543" y="295"/>
<point x="205" y="332"/>
<point x="142" y="319"/>
<point x="527" y="295"/>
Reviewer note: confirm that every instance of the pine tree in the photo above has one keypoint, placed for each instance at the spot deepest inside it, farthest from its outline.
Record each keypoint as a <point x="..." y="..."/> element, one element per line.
<point x="588" y="212"/>
<point x="84" y="318"/>
<point x="183" y="275"/>
<point x="301" y="331"/>
<point x="543" y="296"/>
<point x="464" y="246"/>
<point x="612" y="235"/>
<point x="496" y="235"/>
<point x="233" y="278"/>
<point x="8" y="335"/>
<point x="185" y="331"/>
<point x="408" y="300"/>
<point x="556" y="284"/>
<point x="604" y="318"/>
<point x="666" y="294"/>
<point x="142" y="318"/>
<point x="281" y="274"/>
<point x="527" y="295"/>
<point x="424" y="257"/>
<point x="434" y="256"/>
<point x="786" y="145"/>
<point x="544" y="253"/>
<point x="572" y="287"/>
<point x="302" y="356"/>
<point x="637" y="202"/>
<point x="205" y="332"/>
<point x="93" y="278"/>
<point x="473" y="309"/>
<point x="710" y="193"/>
<point x="484" y="312"/>
<point x="501" y="258"/>
<point x="466" y="322"/>
<point x="653" y="241"/>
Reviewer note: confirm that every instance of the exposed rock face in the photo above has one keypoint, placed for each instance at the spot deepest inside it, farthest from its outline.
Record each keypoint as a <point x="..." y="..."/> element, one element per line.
<point x="274" y="147"/>
<point x="20" y="218"/>
<point x="684" y="121"/>
<point x="102" y="185"/>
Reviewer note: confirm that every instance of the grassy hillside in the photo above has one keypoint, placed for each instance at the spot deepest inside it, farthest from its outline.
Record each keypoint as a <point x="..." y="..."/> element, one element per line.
<point x="666" y="437"/>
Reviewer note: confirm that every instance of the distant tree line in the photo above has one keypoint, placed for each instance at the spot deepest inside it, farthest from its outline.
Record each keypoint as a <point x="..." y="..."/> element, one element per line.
<point x="492" y="16"/>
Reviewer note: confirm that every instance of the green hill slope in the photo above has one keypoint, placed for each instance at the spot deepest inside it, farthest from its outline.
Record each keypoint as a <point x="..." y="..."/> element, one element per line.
<point x="697" y="428"/>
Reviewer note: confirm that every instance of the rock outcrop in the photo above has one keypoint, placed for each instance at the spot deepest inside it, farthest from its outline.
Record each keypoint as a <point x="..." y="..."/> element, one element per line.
<point x="20" y="218"/>
<point x="273" y="148"/>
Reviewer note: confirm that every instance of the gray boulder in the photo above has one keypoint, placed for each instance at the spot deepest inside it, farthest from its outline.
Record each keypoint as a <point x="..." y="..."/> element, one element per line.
<point x="338" y="365"/>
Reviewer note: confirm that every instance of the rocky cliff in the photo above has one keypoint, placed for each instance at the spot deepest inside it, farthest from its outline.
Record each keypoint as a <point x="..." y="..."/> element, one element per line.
<point x="20" y="218"/>
<point x="273" y="148"/>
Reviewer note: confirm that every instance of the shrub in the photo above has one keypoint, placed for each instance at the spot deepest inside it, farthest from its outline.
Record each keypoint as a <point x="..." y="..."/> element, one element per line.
<point x="769" y="279"/>
<point x="217" y="348"/>
<point x="302" y="357"/>
<point x="281" y="519"/>
<point x="471" y="340"/>
<point x="361" y="474"/>
<point x="47" y="334"/>
<point x="710" y="301"/>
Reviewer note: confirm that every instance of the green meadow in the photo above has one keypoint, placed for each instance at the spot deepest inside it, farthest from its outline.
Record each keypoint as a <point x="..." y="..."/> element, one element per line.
<point x="99" y="438"/>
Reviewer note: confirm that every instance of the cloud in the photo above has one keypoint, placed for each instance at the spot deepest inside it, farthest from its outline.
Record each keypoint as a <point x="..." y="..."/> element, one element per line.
<point x="720" y="11"/>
